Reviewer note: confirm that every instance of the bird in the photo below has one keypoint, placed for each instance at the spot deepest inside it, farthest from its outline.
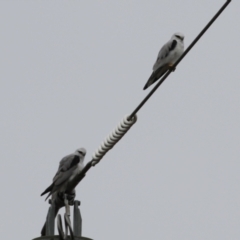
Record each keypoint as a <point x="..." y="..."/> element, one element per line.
<point x="167" y="56"/>
<point x="69" y="167"/>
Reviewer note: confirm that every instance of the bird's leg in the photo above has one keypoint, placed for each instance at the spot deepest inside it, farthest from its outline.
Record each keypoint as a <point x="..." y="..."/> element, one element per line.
<point x="67" y="213"/>
<point x="171" y="67"/>
<point x="67" y="207"/>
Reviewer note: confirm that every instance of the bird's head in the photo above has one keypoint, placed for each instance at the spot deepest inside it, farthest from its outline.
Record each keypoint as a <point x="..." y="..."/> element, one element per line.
<point x="178" y="36"/>
<point x="81" y="151"/>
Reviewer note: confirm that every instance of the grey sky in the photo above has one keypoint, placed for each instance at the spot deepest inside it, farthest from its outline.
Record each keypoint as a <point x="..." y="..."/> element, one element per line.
<point x="70" y="70"/>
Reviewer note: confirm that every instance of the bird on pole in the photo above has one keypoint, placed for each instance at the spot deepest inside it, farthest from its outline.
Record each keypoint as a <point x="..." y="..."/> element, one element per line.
<point x="167" y="56"/>
<point x="69" y="167"/>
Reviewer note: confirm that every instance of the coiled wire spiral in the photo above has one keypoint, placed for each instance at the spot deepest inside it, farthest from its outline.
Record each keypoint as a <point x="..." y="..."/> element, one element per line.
<point x="113" y="138"/>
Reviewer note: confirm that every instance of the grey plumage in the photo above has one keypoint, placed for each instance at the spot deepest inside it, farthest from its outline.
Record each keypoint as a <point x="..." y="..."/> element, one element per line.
<point x="69" y="167"/>
<point x="167" y="56"/>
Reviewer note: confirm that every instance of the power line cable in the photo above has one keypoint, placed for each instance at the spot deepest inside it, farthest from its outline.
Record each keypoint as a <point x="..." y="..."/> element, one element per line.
<point x="128" y="121"/>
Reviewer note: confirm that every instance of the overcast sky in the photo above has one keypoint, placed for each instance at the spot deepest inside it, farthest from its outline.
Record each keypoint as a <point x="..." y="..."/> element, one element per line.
<point x="71" y="70"/>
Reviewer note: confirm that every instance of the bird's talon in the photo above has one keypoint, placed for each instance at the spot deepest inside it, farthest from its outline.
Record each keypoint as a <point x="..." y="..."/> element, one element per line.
<point x="172" y="68"/>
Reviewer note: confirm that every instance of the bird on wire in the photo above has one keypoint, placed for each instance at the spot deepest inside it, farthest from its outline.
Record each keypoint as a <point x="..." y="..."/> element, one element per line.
<point x="69" y="167"/>
<point x="167" y="56"/>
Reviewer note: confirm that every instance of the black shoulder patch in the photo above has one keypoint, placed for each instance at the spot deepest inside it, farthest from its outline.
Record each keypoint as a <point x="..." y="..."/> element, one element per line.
<point x="75" y="161"/>
<point x="174" y="44"/>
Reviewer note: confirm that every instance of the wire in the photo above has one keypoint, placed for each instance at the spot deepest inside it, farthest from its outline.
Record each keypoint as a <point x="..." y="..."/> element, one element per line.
<point x="131" y="119"/>
<point x="180" y="59"/>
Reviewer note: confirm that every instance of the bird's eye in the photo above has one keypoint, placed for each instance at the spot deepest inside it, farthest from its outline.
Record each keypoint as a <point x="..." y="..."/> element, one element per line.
<point x="178" y="37"/>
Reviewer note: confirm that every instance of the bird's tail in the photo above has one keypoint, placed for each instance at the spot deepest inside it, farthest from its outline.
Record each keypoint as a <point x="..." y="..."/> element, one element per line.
<point x="152" y="79"/>
<point x="49" y="189"/>
<point x="48" y="196"/>
<point x="155" y="76"/>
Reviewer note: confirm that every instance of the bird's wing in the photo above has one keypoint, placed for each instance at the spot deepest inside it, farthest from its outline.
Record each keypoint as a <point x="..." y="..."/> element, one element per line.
<point x="163" y="54"/>
<point x="65" y="162"/>
<point x="66" y="167"/>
